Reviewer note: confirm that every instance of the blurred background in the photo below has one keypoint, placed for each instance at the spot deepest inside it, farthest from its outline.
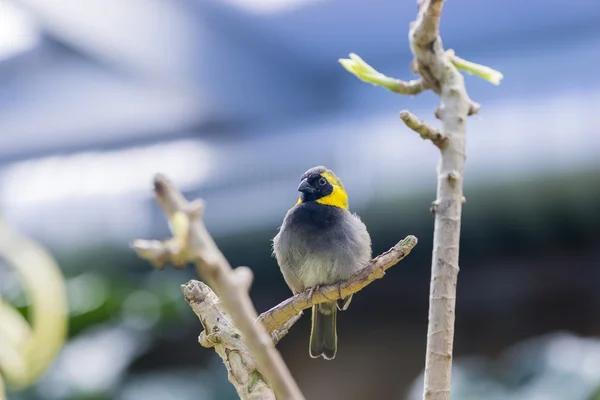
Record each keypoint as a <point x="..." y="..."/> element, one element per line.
<point x="234" y="100"/>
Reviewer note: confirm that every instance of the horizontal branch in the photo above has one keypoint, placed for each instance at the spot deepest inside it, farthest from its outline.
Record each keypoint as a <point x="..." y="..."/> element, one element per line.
<point x="280" y="315"/>
<point x="422" y="128"/>
<point x="221" y="334"/>
<point x="191" y="242"/>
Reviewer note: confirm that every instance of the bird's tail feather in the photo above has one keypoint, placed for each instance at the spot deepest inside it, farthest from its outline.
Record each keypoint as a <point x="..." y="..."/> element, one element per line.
<point x="323" y="335"/>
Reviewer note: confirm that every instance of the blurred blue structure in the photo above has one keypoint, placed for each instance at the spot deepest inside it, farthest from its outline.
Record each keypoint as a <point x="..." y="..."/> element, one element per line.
<point x="233" y="100"/>
<point x="87" y="89"/>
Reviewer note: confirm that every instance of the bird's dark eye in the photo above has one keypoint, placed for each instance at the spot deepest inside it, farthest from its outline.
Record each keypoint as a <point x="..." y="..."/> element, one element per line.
<point x="322" y="181"/>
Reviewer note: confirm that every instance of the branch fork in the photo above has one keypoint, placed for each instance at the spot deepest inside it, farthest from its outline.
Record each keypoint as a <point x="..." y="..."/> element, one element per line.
<point x="232" y="312"/>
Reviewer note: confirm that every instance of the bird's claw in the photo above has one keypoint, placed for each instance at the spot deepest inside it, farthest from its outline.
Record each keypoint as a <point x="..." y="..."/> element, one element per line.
<point x="312" y="290"/>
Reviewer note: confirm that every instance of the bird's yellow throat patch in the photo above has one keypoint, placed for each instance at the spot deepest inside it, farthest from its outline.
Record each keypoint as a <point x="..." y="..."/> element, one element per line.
<point x="338" y="197"/>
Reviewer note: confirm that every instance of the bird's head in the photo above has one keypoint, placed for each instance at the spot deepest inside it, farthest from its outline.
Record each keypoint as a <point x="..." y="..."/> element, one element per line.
<point x="323" y="186"/>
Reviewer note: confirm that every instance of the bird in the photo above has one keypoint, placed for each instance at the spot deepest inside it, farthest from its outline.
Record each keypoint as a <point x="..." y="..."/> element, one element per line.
<point x="321" y="242"/>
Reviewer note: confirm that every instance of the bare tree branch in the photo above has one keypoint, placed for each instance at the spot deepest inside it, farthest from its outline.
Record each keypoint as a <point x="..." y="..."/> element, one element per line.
<point x="221" y="334"/>
<point x="281" y="314"/>
<point x="439" y="73"/>
<point x="191" y="242"/>
<point x="422" y="128"/>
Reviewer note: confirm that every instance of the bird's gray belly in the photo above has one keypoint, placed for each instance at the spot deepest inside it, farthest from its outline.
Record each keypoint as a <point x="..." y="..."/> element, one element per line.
<point x="312" y="255"/>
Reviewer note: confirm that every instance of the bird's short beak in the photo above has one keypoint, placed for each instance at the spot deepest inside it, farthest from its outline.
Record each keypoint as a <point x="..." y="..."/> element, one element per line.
<point x="305" y="187"/>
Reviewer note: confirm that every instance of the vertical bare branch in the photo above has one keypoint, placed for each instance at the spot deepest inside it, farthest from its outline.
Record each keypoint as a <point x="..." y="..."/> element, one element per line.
<point x="439" y="73"/>
<point x="438" y="70"/>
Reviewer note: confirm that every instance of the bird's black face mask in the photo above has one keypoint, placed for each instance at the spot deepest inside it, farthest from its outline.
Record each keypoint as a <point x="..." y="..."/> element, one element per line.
<point x="313" y="187"/>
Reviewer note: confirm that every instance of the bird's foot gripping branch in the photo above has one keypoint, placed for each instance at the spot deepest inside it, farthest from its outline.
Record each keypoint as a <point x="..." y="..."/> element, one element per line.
<point x="280" y="315"/>
<point x="244" y="340"/>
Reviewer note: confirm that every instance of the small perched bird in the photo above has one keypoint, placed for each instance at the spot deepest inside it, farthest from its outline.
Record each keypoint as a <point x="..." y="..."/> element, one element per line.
<point x="321" y="242"/>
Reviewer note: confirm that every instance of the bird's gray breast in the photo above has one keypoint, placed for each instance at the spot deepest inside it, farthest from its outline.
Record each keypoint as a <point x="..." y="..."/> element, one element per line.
<point x="319" y="244"/>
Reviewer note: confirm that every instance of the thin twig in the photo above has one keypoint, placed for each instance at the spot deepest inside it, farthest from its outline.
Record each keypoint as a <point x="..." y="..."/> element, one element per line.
<point x="412" y="87"/>
<point x="191" y="242"/>
<point x="426" y="131"/>
<point x="279" y="333"/>
<point x="483" y="71"/>
<point x="366" y="73"/>
<point x="279" y="315"/>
